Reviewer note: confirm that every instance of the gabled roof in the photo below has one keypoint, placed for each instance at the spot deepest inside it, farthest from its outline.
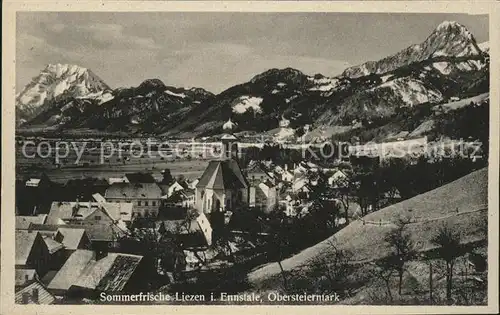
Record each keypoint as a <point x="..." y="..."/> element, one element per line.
<point x="227" y="136"/>
<point x="193" y="183"/>
<point x="61" y="211"/>
<point x="71" y="270"/>
<point x="44" y="296"/>
<point x="222" y="174"/>
<point x="255" y="166"/>
<point x="338" y="172"/>
<point x="108" y="274"/>
<point x="133" y="191"/>
<point x="52" y="245"/>
<point x="179" y="226"/>
<point x="96" y="232"/>
<point x="65" y="210"/>
<point x="69" y="237"/>
<point x="119" y="211"/>
<point x="102" y="232"/>
<point x="23" y="221"/>
<point x="33" y="182"/>
<point x="98" y="197"/>
<point x="25" y="240"/>
<point x="178" y="196"/>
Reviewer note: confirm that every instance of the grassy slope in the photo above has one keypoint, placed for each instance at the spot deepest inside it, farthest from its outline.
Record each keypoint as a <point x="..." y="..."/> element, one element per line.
<point x="431" y="209"/>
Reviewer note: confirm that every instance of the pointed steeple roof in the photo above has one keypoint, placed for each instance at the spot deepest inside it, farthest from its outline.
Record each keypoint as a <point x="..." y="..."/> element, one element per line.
<point x="225" y="174"/>
<point x="229" y="126"/>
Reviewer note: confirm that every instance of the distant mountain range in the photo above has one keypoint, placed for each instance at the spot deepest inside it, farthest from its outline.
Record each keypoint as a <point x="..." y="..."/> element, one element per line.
<point x="448" y="65"/>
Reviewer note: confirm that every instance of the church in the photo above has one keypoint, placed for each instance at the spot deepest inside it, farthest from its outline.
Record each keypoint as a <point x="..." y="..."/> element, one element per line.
<point x="223" y="186"/>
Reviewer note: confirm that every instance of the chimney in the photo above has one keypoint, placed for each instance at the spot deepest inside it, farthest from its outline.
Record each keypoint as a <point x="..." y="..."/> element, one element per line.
<point x="35" y="295"/>
<point x="286" y="166"/>
<point x="26" y="298"/>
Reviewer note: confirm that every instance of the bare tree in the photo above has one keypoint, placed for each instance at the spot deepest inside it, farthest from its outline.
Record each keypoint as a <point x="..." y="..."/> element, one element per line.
<point x="334" y="266"/>
<point x="383" y="270"/>
<point x="449" y="249"/>
<point x="279" y="242"/>
<point x="343" y="189"/>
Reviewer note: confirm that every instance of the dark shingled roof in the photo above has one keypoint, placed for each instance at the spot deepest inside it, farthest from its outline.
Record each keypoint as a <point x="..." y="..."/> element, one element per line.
<point x="96" y="232"/>
<point x="135" y="191"/>
<point x="140" y="178"/>
<point x="222" y="174"/>
<point x="23" y="222"/>
<point x="25" y="240"/>
<point x="109" y="274"/>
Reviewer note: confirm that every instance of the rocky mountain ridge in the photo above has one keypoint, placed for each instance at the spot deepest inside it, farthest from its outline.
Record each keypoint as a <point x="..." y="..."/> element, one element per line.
<point x="448" y="65"/>
<point x="57" y="82"/>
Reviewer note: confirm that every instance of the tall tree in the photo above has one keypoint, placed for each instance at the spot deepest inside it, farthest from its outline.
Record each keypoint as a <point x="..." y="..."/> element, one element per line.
<point x="403" y="249"/>
<point x="323" y="210"/>
<point x="279" y="243"/>
<point x="167" y="176"/>
<point x="449" y="249"/>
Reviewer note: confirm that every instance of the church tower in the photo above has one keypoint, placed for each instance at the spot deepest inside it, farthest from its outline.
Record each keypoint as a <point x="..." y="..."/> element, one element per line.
<point x="229" y="141"/>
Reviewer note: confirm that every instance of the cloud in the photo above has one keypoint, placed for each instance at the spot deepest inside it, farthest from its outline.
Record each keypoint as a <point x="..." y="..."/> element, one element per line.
<point x="113" y="36"/>
<point x="214" y="50"/>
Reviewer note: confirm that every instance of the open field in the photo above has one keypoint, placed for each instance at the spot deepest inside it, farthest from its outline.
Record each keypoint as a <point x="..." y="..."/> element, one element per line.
<point x="189" y="169"/>
<point x="462" y="103"/>
<point x="92" y="165"/>
<point x="461" y="204"/>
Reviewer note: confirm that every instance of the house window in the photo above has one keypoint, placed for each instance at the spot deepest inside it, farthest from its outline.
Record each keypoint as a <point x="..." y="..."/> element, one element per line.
<point x="240" y="195"/>
<point x="146" y="214"/>
<point x="154" y="203"/>
<point x="97" y="217"/>
<point x="146" y="203"/>
<point x="138" y="203"/>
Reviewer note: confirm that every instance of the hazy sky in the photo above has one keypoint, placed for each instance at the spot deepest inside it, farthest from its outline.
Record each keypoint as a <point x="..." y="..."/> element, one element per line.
<point x="216" y="50"/>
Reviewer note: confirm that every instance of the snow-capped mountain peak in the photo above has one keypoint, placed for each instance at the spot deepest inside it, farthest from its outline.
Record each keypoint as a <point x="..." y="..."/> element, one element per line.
<point x="484" y="46"/>
<point x="56" y="82"/>
<point x="450" y="24"/>
<point x="449" y="39"/>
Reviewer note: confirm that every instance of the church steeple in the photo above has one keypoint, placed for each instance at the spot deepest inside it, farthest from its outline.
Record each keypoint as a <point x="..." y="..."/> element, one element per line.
<point x="229" y="140"/>
<point x="229" y="126"/>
